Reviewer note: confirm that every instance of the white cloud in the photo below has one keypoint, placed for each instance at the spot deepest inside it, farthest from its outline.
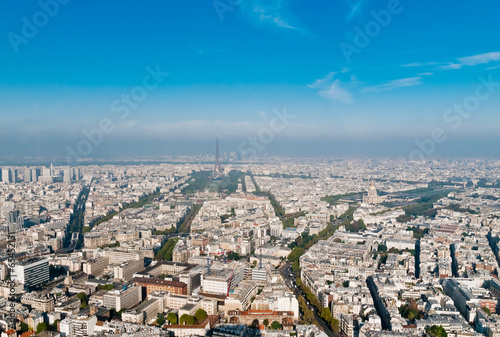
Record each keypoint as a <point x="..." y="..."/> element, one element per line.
<point x="420" y="64"/>
<point x="450" y="66"/>
<point x="336" y="93"/>
<point x="355" y="8"/>
<point x="460" y="62"/>
<point x="332" y="89"/>
<point x="272" y="13"/>
<point x="321" y="82"/>
<point x="394" y="84"/>
<point x="480" y="59"/>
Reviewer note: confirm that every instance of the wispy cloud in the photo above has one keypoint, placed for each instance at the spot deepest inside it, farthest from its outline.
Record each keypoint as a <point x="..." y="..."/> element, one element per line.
<point x="394" y="84"/>
<point x="271" y="13"/>
<point x="461" y="62"/>
<point x="337" y="93"/>
<point x="355" y="8"/>
<point x="332" y="89"/>
<point x="419" y="64"/>
<point x="473" y="60"/>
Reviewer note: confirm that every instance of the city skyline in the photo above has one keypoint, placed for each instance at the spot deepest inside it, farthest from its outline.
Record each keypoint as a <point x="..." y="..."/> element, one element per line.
<point x="359" y="78"/>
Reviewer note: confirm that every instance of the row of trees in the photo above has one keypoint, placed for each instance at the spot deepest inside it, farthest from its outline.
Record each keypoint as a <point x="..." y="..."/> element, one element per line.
<point x="423" y="207"/>
<point x="302" y="243"/>
<point x="306" y="241"/>
<point x="185" y="224"/>
<point x="356" y="226"/>
<point x="143" y="200"/>
<point x="324" y="313"/>
<point x="77" y="218"/>
<point x="185" y="319"/>
<point x="165" y="253"/>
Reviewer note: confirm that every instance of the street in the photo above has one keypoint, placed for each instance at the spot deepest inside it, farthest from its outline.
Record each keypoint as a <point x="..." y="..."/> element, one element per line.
<point x="289" y="277"/>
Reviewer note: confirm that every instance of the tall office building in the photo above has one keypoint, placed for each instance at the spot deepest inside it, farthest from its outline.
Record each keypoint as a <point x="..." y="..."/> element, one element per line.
<point x="27" y="175"/>
<point x="75" y="173"/>
<point x="124" y="298"/>
<point x="35" y="173"/>
<point x="67" y="175"/>
<point x="6" y="177"/>
<point x="32" y="272"/>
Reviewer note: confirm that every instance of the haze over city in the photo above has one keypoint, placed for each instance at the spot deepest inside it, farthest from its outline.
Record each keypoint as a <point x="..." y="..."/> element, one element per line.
<point x="361" y="78"/>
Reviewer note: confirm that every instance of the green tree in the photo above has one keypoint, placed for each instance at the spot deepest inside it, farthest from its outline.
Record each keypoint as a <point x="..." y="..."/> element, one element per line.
<point x="54" y="326"/>
<point x="83" y="305"/>
<point x="106" y="287"/>
<point x="275" y="325"/>
<point x="295" y="254"/>
<point x="382" y="248"/>
<point x="200" y="315"/>
<point x="335" y="324"/>
<point x="326" y="314"/>
<point x="172" y="318"/>
<point x="436" y="331"/>
<point x="82" y="296"/>
<point x="41" y="327"/>
<point x="186" y="320"/>
<point x="266" y="322"/>
<point x="165" y="253"/>
<point x="487" y="311"/>
<point x="160" y="319"/>
<point x="24" y="327"/>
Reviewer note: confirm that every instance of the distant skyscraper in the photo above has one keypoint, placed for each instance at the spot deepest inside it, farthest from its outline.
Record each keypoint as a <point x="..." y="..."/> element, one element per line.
<point x="46" y="175"/>
<point x="67" y="175"/>
<point x="35" y="173"/>
<point x="27" y="175"/>
<point x="6" y="175"/>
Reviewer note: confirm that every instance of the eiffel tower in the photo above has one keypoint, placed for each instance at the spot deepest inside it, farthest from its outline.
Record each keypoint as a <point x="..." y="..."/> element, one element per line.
<point x="218" y="171"/>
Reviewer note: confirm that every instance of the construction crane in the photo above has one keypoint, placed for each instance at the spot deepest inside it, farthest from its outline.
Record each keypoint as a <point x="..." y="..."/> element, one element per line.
<point x="230" y="280"/>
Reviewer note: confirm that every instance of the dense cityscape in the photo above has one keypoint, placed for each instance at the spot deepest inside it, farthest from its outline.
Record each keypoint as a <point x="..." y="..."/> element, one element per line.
<point x="277" y="248"/>
<point x="249" y="168"/>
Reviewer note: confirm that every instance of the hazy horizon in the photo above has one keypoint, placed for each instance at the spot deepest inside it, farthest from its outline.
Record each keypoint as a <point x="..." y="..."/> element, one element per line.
<point x="351" y="78"/>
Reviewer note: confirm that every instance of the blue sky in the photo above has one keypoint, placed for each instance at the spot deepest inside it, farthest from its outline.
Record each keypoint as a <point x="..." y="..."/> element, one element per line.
<point x="231" y="63"/>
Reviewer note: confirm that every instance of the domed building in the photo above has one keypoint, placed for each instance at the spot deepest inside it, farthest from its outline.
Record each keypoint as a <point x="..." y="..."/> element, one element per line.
<point x="372" y="197"/>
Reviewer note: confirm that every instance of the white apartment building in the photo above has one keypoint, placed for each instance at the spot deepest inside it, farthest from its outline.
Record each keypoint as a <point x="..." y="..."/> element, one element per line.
<point x="83" y="326"/>
<point x="32" y="272"/>
<point x="126" y="270"/>
<point x="95" y="267"/>
<point x="123" y="298"/>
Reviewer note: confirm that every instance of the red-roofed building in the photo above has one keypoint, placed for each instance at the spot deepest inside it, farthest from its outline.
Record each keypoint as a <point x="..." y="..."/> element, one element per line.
<point x="9" y="333"/>
<point x="27" y="333"/>
<point x="154" y="284"/>
<point x="257" y="317"/>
